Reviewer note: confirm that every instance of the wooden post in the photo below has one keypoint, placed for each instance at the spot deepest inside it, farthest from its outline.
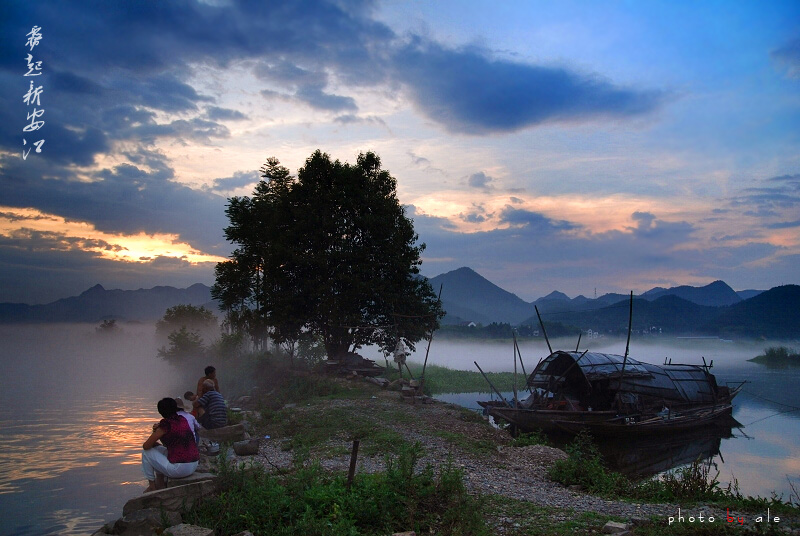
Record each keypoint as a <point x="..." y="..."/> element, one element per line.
<point x="544" y="331"/>
<point x="430" y="339"/>
<point x="353" y="457"/>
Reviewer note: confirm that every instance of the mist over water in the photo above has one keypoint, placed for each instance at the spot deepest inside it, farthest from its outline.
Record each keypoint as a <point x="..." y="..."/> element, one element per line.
<point x="75" y="407"/>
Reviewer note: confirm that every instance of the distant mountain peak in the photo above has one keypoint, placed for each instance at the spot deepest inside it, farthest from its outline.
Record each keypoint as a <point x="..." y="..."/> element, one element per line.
<point x="94" y="290"/>
<point x="556" y="295"/>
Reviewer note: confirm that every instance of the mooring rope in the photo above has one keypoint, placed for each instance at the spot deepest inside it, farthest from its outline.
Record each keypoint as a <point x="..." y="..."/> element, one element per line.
<point x="792" y="410"/>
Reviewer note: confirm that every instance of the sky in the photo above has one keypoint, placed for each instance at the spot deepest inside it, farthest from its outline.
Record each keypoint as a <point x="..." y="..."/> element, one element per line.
<point x="585" y="147"/>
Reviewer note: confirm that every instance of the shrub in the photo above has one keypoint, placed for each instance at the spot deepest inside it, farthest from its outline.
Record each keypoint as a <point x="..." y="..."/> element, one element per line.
<point x="310" y="501"/>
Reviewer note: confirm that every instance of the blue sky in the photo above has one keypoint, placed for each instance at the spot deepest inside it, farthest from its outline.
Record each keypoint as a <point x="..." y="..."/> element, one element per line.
<point x="548" y="145"/>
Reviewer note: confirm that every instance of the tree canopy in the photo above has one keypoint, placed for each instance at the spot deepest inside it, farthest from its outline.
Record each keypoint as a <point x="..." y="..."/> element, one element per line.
<point x="330" y="252"/>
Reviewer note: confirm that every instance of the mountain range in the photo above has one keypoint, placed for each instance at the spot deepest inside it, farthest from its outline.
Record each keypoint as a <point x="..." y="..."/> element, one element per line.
<point x="467" y="296"/>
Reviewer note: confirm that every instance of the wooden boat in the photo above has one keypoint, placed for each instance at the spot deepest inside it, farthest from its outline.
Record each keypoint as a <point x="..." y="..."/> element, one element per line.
<point x="613" y="395"/>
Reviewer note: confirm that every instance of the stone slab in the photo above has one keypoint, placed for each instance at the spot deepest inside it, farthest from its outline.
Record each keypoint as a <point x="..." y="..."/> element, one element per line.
<point x="188" y="530"/>
<point x="144" y="522"/>
<point x="613" y="527"/>
<point x="170" y="499"/>
<point x="226" y="434"/>
<point x="191" y="479"/>
<point x="246" y="448"/>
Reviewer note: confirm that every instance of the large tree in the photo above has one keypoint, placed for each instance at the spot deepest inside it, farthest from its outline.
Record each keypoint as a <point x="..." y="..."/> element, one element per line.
<point x="330" y="252"/>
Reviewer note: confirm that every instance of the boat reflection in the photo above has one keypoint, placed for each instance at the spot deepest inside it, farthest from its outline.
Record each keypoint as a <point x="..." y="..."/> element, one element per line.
<point x="645" y="457"/>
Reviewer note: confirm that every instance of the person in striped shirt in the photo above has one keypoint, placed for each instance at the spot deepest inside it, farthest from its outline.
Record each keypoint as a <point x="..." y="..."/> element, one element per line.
<point x="215" y="411"/>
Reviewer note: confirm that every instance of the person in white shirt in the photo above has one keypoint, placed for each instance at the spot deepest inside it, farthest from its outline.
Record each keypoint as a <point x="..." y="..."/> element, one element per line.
<point x="193" y="424"/>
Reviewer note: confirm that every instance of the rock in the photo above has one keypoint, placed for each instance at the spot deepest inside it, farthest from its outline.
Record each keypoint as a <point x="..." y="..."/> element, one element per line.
<point x="188" y="530"/>
<point x="197" y="476"/>
<point x="246" y="448"/>
<point x="171" y="499"/>
<point x="105" y="529"/>
<point x="226" y="434"/>
<point x="383" y="382"/>
<point x="144" y="522"/>
<point x="409" y="533"/>
<point x="244" y="533"/>
<point x="575" y="487"/>
<point x="612" y="527"/>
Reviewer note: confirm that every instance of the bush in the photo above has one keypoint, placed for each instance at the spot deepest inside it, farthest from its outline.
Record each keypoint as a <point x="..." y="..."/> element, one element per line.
<point x="310" y="501"/>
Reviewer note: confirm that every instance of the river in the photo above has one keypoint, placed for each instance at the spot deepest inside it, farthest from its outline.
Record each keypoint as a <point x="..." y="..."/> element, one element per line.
<point x="76" y="405"/>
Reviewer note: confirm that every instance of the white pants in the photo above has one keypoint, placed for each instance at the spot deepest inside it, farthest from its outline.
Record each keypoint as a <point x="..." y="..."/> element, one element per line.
<point x="155" y="459"/>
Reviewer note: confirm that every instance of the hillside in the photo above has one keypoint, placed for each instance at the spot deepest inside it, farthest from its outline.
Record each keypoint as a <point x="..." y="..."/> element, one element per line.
<point x="715" y="294"/>
<point x="97" y="303"/>
<point x="468" y="296"/>
<point x="774" y="313"/>
<point x="668" y="314"/>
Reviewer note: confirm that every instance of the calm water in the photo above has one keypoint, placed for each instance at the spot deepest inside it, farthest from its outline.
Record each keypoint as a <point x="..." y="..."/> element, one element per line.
<point x="76" y="406"/>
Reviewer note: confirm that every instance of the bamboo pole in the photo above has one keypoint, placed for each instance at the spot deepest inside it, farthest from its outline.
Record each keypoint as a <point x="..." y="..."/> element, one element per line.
<point x="491" y="385"/>
<point x="544" y="331"/>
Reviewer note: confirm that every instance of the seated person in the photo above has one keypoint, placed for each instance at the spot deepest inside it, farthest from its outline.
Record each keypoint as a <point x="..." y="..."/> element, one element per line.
<point x="211" y="374"/>
<point x="191" y="397"/>
<point x="177" y="457"/>
<point x="193" y="424"/>
<point x="215" y="411"/>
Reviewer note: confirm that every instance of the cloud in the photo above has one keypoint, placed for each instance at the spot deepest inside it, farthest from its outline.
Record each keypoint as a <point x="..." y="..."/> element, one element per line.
<point x="315" y="97"/>
<point x="127" y="198"/>
<point x="533" y="221"/>
<point x="776" y="195"/>
<point x="480" y="180"/>
<point x="648" y="227"/>
<point x="240" y="179"/>
<point x="215" y="113"/>
<point x="469" y="92"/>
<point x="349" y="119"/>
<point x="788" y="56"/>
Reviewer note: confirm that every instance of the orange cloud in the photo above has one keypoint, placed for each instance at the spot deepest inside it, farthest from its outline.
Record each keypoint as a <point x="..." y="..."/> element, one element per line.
<point x="56" y="232"/>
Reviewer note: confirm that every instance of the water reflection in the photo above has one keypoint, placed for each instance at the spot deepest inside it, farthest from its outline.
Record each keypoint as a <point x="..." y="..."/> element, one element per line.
<point x="46" y="444"/>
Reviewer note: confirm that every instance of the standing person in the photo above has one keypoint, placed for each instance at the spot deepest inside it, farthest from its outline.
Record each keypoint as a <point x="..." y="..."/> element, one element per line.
<point x="215" y="414"/>
<point x="177" y="457"/>
<point x="211" y="374"/>
<point x="194" y="426"/>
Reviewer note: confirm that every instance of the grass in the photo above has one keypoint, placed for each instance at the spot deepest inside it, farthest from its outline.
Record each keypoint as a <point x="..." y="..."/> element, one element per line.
<point x="522" y="518"/>
<point x="440" y="380"/>
<point x="310" y="502"/>
<point x="778" y="356"/>
<point x="526" y="439"/>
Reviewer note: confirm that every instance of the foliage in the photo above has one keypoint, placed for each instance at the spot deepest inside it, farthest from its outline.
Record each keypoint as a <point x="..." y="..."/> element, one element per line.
<point x="192" y="318"/>
<point x="310" y="501"/>
<point x="526" y="439"/>
<point x="584" y="466"/>
<point x="184" y="345"/>
<point x="778" y="356"/>
<point x="228" y="346"/>
<point x="329" y="252"/>
<point x="108" y="326"/>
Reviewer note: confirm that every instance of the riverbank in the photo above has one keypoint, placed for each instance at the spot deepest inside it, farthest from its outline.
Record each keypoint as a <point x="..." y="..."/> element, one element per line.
<point x="516" y="496"/>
